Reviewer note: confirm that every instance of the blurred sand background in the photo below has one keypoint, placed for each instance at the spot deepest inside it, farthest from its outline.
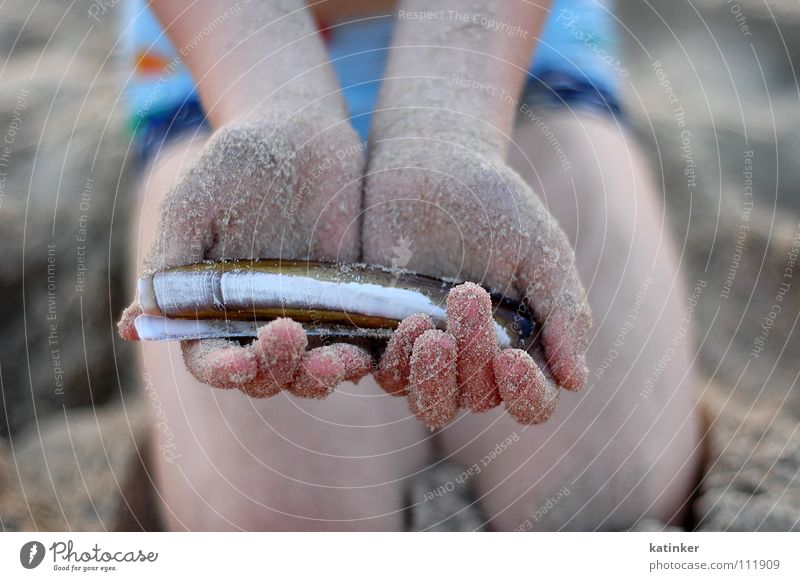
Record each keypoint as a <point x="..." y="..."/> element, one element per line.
<point x="71" y="423"/>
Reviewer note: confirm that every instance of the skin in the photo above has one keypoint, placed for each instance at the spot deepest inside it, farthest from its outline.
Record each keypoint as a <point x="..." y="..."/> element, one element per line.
<point x="230" y="461"/>
<point x="257" y="164"/>
<point x="622" y="453"/>
<point x="255" y="188"/>
<point x="437" y="175"/>
<point x="298" y="463"/>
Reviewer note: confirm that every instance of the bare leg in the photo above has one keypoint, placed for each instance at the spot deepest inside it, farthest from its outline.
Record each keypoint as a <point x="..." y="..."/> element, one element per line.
<point x="621" y="449"/>
<point x="225" y="461"/>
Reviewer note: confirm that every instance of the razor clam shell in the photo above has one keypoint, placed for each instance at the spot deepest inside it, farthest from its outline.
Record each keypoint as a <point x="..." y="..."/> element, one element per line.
<point x="181" y="291"/>
<point x="208" y="298"/>
<point x="155" y="328"/>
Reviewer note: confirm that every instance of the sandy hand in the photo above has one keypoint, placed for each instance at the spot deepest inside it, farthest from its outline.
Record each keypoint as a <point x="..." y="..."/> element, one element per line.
<point x="469" y="216"/>
<point x="276" y="187"/>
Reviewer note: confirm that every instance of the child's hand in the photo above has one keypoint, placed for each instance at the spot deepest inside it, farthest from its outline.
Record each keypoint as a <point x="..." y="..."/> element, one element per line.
<point x="277" y="187"/>
<point x="469" y="216"/>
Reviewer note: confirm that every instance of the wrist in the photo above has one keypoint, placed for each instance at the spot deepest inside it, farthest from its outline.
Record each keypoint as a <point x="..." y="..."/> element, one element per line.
<point x="475" y="128"/>
<point x="456" y="70"/>
<point x="261" y="55"/>
<point x="261" y="100"/>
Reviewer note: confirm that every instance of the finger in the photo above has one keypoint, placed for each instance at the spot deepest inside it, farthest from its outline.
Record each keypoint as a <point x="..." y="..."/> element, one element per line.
<point x="357" y="362"/>
<point x="125" y="326"/>
<point x="393" y="369"/>
<point x="529" y="397"/>
<point x="432" y="386"/>
<point x="278" y="351"/>
<point x="219" y="363"/>
<point x="319" y="373"/>
<point x="555" y="293"/>
<point x="470" y="321"/>
<point x="565" y="339"/>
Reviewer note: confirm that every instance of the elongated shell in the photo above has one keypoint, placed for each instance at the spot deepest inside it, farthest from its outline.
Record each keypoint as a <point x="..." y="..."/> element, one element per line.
<point x="343" y="302"/>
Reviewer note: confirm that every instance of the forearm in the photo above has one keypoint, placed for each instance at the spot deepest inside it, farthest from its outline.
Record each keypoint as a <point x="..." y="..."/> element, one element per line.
<point x="456" y="69"/>
<point x="247" y="56"/>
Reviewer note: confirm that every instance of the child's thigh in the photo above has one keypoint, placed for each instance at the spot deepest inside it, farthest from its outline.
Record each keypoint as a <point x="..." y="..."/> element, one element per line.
<point x="222" y="460"/>
<point x="624" y="447"/>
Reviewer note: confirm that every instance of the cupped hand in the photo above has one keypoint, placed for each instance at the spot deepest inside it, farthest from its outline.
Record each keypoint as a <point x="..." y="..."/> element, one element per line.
<point x="461" y="213"/>
<point x="279" y="186"/>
